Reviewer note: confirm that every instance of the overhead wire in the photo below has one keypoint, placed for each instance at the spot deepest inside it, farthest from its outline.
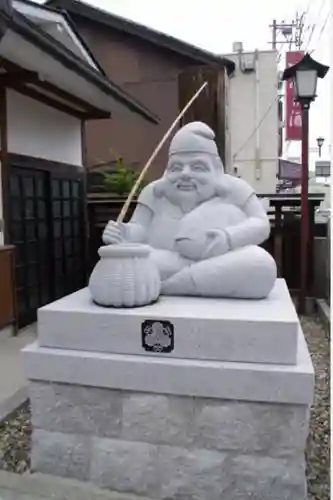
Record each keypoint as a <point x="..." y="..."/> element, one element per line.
<point x="321" y="32"/>
<point x="306" y="26"/>
<point x="262" y="119"/>
<point x="264" y="116"/>
<point x="314" y="25"/>
<point x="278" y="59"/>
<point x="312" y="31"/>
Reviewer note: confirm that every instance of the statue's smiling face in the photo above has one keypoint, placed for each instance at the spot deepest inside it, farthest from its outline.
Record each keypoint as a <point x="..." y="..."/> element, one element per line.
<point x="189" y="177"/>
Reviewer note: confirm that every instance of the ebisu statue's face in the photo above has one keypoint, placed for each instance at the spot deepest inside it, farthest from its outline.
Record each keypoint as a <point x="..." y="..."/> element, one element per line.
<point x="190" y="178"/>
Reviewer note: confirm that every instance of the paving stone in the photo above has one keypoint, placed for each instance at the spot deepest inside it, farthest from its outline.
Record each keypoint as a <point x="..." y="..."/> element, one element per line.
<point x="14" y="495"/>
<point x="44" y="487"/>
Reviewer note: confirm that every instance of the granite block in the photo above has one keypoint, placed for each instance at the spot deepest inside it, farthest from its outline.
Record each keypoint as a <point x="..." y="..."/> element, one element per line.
<point x="157" y="419"/>
<point x="124" y="466"/>
<point x="276" y="429"/>
<point x="166" y="472"/>
<point x="191" y="474"/>
<point x="267" y="478"/>
<point x="75" y="409"/>
<point x="64" y="455"/>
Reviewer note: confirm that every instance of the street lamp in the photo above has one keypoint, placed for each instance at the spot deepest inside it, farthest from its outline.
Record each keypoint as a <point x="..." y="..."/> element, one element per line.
<point x="305" y="75"/>
<point x="320" y="142"/>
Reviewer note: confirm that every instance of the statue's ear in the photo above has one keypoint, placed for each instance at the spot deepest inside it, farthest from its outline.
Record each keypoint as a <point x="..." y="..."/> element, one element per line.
<point x="219" y="164"/>
<point x="221" y="189"/>
<point x="265" y="203"/>
<point x="159" y="188"/>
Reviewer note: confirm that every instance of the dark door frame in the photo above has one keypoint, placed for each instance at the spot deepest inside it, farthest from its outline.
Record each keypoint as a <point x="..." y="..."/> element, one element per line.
<point x="61" y="174"/>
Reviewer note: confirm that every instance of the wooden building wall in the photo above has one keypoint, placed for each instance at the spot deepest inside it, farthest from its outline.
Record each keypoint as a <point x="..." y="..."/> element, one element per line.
<point x="148" y="73"/>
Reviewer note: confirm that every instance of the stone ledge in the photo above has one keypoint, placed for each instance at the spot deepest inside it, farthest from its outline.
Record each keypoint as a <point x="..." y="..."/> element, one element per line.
<point x="208" y="329"/>
<point x="226" y="380"/>
<point x="12" y="403"/>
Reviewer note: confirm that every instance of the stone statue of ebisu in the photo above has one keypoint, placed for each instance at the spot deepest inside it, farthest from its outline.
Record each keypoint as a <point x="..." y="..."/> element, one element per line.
<point x="203" y="225"/>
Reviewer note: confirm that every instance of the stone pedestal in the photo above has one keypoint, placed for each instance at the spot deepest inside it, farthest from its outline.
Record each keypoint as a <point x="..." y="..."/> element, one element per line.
<point x="187" y="398"/>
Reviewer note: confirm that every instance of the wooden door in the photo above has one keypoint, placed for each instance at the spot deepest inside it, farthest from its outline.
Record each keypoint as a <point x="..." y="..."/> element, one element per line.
<point x="68" y="234"/>
<point x="47" y="228"/>
<point x="29" y="231"/>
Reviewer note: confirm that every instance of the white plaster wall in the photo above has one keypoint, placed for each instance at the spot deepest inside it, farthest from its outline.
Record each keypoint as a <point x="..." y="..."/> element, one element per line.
<point x="257" y="165"/>
<point x="35" y="129"/>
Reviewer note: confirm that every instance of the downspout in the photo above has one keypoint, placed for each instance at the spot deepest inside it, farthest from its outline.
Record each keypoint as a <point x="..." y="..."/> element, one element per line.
<point x="257" y="166"/>
<point x="6" y="14"/>
<point x="228" y="159"/>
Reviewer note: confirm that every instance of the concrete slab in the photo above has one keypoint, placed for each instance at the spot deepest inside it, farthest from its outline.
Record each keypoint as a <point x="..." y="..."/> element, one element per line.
<point x="6" y="332"/>
<point x="13" y="383"/>
<point x="185" y="377"/>
<point x="43" y="487"/>
<point x="258" y="331"/>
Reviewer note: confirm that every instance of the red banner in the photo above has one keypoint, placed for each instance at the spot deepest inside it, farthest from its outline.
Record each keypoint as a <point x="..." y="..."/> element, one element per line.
<point x="293" y="121"/>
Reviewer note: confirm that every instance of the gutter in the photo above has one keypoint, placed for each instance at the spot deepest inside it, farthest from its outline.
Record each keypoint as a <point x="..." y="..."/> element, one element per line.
<point x="258" y="168"/>
<point x="6" y="14"/>
<point x="10" y="19"/>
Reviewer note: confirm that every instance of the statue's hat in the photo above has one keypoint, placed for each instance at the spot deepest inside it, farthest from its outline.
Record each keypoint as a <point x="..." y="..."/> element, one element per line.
<point x="194" y="137"/>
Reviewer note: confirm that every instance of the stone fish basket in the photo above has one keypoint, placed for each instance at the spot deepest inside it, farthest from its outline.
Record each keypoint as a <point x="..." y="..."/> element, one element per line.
<point x="125" y="276"/>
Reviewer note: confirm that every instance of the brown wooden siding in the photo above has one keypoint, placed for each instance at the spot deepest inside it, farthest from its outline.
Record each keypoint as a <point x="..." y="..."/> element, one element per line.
<point x="150" y="74"/>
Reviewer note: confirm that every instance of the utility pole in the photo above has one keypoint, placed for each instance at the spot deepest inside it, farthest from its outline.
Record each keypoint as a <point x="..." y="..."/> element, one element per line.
<point x="274" y="33"/>
<point x="299" y="30"/>
<point x="292" y="37"/>
<point x="292" y="32"/>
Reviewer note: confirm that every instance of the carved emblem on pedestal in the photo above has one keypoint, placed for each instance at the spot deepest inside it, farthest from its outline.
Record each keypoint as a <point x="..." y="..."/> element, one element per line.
<point x="157" y="336"/>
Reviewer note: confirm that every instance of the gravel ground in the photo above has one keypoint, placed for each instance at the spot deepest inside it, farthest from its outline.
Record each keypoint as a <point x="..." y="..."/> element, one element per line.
<point x="15" y="434"/>
<point x="318" y="447"/>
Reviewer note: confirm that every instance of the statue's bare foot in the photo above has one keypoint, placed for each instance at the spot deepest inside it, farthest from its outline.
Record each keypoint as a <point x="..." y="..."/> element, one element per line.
<point x="245" y="273"/>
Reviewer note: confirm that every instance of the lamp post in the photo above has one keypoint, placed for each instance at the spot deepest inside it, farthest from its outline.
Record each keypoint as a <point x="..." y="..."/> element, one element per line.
<point x="320" y="142"/>
<point x="305" y="75"/>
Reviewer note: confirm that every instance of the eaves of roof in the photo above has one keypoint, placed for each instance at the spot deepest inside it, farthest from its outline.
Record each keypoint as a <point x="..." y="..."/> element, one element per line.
<point x="10" y="19"/>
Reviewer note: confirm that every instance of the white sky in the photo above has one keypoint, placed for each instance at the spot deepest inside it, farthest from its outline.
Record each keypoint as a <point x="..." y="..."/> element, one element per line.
<point x="215" y="24"/>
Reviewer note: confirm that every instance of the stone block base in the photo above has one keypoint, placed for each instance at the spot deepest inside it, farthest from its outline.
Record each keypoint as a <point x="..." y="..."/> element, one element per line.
<point x="168" y="446"/>
<point x="203" y="329"/>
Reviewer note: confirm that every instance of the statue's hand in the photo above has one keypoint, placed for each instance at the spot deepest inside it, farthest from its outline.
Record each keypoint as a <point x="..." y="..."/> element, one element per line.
<point x="113" y="233"/>
<point x="218" y="243"/>
<point x="203" y="245"/>
<point x="191" y="248"/>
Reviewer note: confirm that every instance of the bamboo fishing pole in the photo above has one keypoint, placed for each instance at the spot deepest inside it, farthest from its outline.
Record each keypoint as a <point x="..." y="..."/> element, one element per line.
<point x="155" y="153"/>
